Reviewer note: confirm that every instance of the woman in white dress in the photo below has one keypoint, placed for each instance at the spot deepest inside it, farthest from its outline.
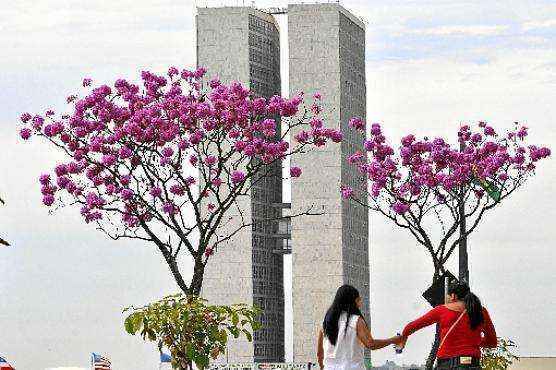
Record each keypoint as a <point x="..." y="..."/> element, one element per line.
<point x="345" y="333"/>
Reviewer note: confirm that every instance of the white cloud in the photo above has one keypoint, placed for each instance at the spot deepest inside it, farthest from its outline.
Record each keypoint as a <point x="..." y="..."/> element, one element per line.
<point x="474" y="30"/>
<point x="532" y="25"/>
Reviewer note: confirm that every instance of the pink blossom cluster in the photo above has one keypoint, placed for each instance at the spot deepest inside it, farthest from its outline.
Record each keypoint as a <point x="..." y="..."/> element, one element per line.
<point x="129" y="149"/>
<point x="423" y="167"/>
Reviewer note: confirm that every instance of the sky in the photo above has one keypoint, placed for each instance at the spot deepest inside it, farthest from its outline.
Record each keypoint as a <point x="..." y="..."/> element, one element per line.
<point x="430" y="65"/>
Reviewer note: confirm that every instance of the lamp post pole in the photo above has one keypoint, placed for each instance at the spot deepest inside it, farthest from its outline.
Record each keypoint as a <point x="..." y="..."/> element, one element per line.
<point x="463" y="258"/>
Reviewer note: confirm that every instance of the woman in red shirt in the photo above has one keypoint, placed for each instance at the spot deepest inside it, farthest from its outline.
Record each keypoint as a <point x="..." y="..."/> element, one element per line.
<point x="465" y="327"/>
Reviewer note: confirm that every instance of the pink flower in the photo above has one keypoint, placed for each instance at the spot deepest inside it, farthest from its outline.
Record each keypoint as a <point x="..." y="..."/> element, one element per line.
<point x="295" y="171"/>
<point x="155" y="192"/>
<point x="108" y="160"/>
<point x="357" y="123"/>
<point x="177" y="189"/>
<point x="44" y="179"/>
<point x="210" y="160"/>
<point x="237" y="177"/>
<point x="522" y="133"/>
<point x="355" y="158"/>
<point x="125" y="152"/>
<point x="169" y="208"/>
<point x="167" y="152"/>
<point x="126" y="194"/>
<point x="209" y="252"/>
<point x="25" y="133"/>
<point x="25" y="117"/>
<point x="489" y="131"/>
<point x="216" y="182"/>
<point x="302" y="136"/>
<point x="336" y="136"/>
<point x="190" y="180"/>
<point x="172" y="71"/>
<point x="184" y="144"/>
<point x="214" y="83"/>
<point x="375" y="129"/>
<point x="125" y="180"/>
<point x="400" y="207"/>
<point x="61" y="170"/>
<point x="48" y="200"/>
<point x="369" y="145"/>
<point x="346" y="192"/>
<point x="316" y="123"/>
<point x="249" y="150"/>
<point x="200" y="72"/>
<point x="408" y="140"/>
<point x="476" y="138"/>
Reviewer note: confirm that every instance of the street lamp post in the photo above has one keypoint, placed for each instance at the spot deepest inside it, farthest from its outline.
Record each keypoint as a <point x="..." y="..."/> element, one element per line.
<point x="463" y="258"/>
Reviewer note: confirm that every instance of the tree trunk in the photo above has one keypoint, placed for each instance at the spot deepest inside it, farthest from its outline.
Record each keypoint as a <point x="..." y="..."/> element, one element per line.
<point x="198" y="274"/>
<point x="432" y="355"/>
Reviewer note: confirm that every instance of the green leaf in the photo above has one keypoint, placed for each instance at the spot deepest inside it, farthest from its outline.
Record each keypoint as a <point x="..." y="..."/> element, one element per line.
<point x="133" y="323"/>
<point x="235" y="318"/>
<point x="248" y="335"/>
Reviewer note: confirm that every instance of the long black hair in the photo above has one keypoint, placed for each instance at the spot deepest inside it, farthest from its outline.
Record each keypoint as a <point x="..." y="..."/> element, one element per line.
<point x="472" y="303"/>
<point x="346" y="295"/>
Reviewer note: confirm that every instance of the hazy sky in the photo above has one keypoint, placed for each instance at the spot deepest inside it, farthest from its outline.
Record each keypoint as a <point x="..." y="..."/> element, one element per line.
<point x="430" y="66"/>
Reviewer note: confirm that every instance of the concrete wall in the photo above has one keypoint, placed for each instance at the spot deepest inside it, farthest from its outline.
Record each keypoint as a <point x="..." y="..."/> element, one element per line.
<point x="534" y="363"/>
<point x="324" y="256"/>
<point x="242" y="44"/>
<point x="228" y="276"/>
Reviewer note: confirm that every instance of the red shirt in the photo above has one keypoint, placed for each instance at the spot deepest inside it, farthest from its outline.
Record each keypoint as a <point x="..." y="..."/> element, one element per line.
<point x="462" y="341"/>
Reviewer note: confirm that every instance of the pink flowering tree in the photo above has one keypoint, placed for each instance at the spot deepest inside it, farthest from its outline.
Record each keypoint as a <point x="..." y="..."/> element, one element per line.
<point x="421" y="186"/>
<point x="168" y="162"/>
<point x="428" y="187"/>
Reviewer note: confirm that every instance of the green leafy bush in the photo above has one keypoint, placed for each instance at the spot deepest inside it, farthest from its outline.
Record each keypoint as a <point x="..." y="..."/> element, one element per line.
<point x="193" y="331"/>
<point x="499" y="358"/>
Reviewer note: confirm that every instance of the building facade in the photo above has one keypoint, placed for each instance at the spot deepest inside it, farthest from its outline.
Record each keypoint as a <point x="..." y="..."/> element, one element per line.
<point x="243" y="44"/>
<point x="534" y="363"/>
<point x="326" y="54"/>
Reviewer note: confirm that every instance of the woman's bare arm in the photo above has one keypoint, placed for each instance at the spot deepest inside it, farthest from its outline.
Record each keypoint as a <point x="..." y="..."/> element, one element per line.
<point x="365" y="336"/>
<point x="320" y="349"/>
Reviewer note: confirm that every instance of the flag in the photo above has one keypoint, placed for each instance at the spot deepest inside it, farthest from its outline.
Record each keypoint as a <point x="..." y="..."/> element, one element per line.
<point x="165" y="362"/>
<point x="99" y="363"/>
<point x="4" y="365"/>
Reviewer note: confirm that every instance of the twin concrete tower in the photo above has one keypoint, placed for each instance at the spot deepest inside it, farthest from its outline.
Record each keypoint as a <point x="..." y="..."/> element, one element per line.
<point x="326" y="54"/>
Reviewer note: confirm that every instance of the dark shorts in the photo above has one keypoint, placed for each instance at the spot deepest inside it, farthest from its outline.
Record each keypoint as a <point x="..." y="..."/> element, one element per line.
<point x="458" y="363"/>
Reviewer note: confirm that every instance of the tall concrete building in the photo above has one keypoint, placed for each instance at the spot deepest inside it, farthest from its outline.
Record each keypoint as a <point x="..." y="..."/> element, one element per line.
<point x="242" y="44"/>
<point x="327" y="54"/>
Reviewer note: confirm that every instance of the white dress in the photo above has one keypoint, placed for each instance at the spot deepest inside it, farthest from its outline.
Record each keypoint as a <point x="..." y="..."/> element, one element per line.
<point x="347" y="354"/>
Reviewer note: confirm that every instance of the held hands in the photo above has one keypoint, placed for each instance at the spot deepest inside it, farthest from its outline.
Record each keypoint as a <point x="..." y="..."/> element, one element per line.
<point x="399" y="341"/>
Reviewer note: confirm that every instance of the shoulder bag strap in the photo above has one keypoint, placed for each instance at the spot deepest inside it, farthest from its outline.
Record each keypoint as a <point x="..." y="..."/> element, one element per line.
<point x="450" y="330"/>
